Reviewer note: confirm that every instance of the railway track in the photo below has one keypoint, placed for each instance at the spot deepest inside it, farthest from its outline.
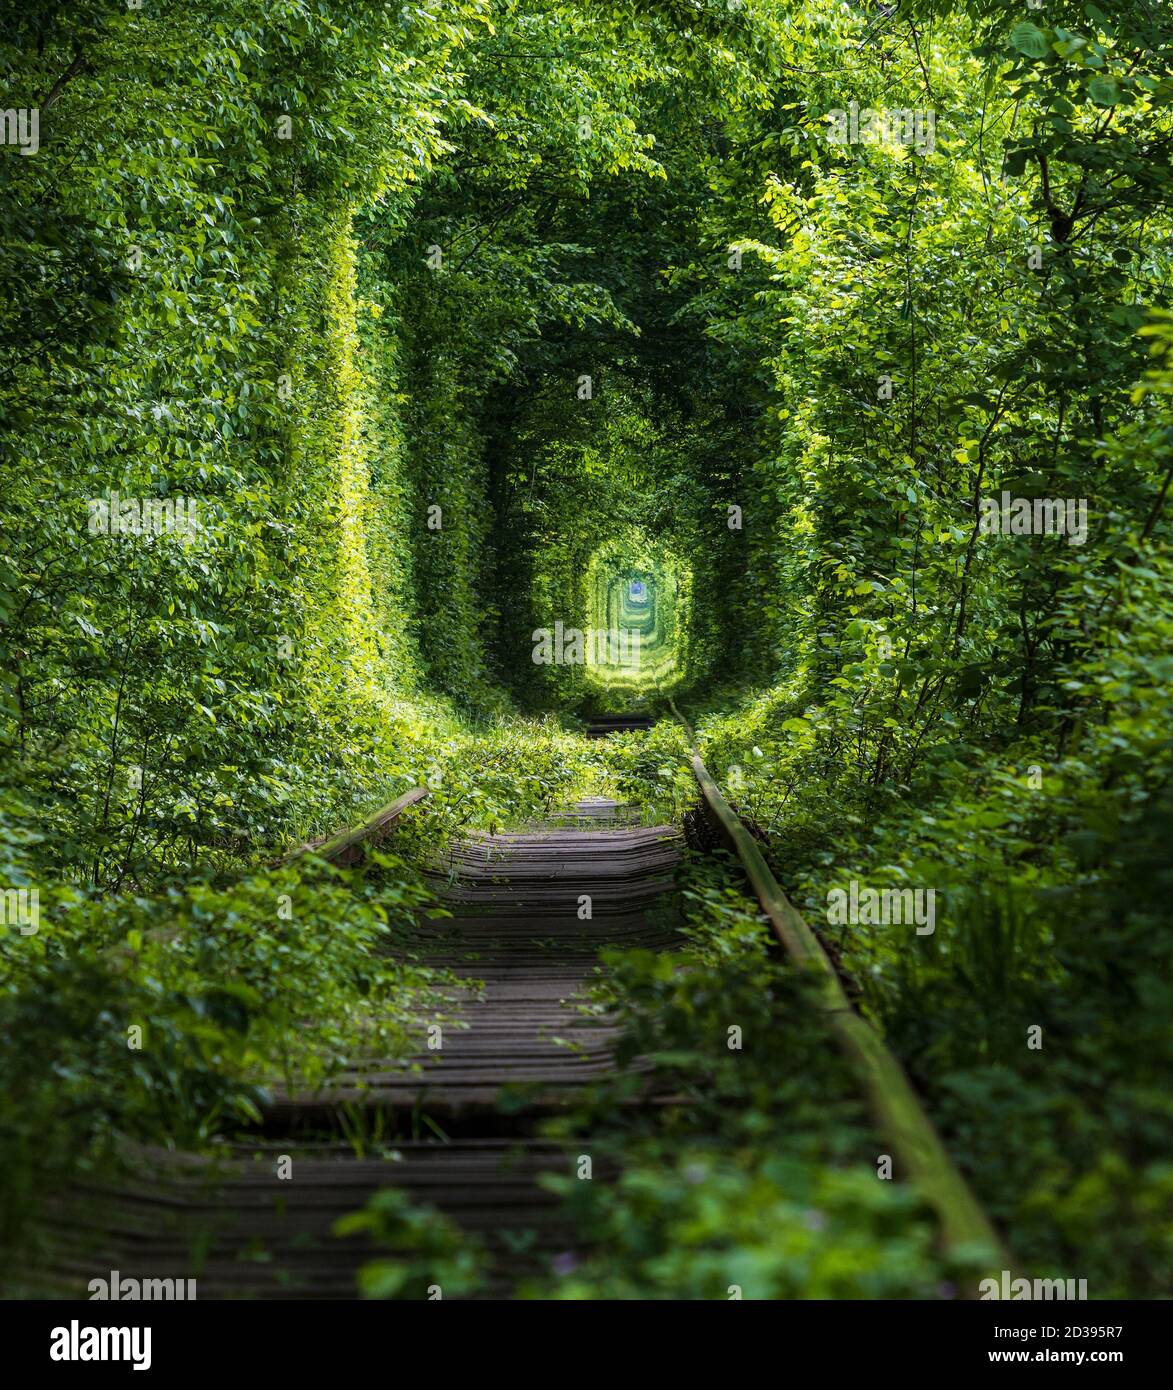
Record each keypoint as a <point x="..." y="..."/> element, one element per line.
<point x="529" y="913"/>
<point x="603" y="725"/>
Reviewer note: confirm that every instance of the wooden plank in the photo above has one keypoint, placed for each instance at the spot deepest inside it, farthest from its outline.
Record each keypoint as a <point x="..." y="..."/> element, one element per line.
<point x="532" y="967"/>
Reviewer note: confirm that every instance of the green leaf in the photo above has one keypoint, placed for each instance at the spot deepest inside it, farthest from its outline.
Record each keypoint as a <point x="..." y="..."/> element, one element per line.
<point x="1104" y="91"/>
<point x="382" y="1278"/>
<point x="1028" y="38"/>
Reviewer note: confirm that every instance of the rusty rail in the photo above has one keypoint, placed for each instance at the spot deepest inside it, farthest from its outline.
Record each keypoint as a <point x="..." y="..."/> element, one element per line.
<point x="895" y="1106"/>
<point x="341" y="848"/>
<point x="344" y="847"/>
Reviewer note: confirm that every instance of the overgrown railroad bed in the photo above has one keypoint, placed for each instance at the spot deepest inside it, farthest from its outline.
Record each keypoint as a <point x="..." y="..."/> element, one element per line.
<point x="476" y="1131"/>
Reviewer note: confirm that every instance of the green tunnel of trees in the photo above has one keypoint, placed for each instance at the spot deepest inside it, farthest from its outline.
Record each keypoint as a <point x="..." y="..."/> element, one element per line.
<point x="451" y="321"/>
